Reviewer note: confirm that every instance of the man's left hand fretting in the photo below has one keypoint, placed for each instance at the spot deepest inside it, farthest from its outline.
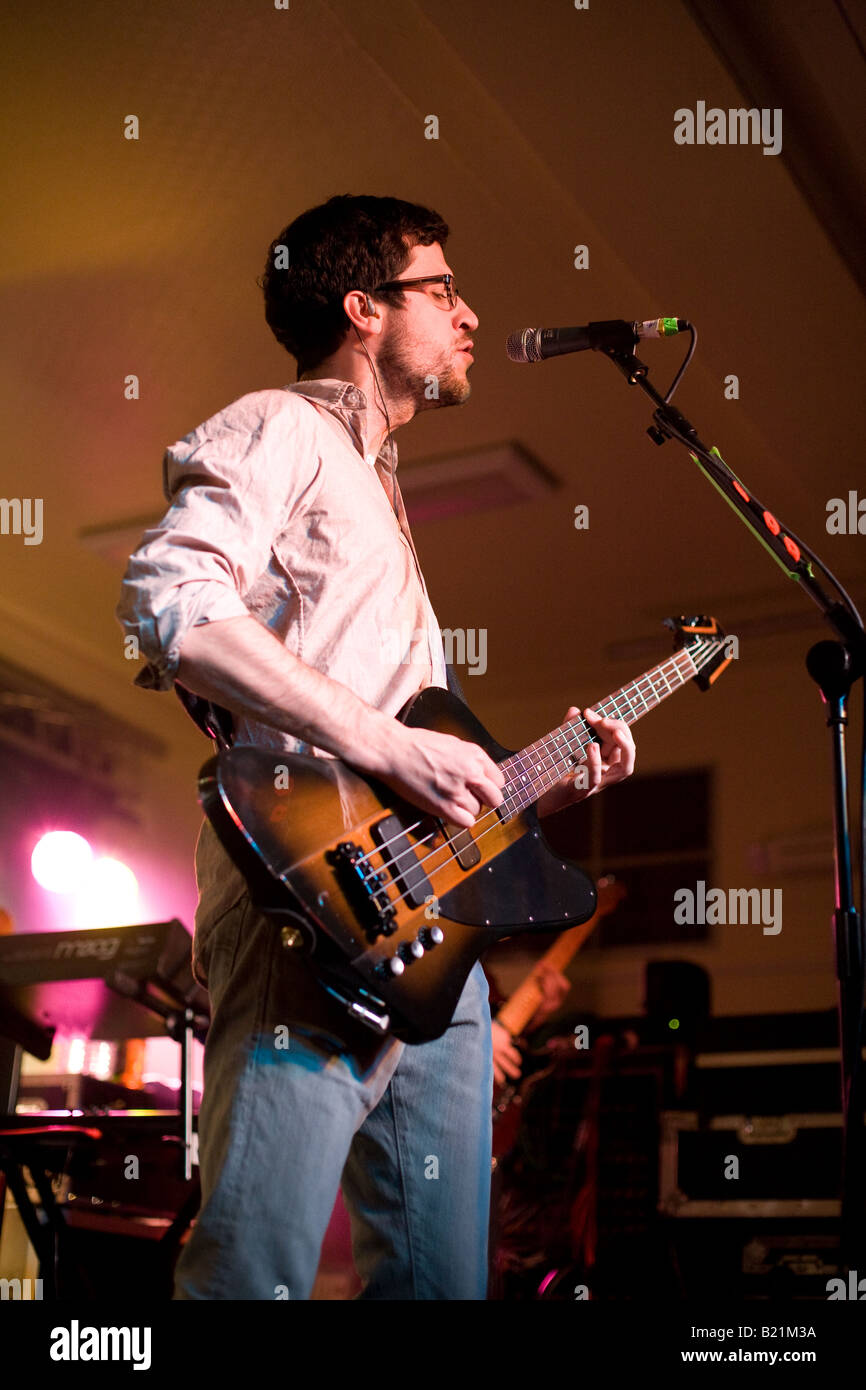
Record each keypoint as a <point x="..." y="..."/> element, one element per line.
<point x="611" y="761"/>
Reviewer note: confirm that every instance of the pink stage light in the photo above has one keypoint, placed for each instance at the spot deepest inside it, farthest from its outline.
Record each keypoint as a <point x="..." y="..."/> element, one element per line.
<point x="103" y="892"/>
<point x="61" y="861"/>
<point x="108" y="897"/>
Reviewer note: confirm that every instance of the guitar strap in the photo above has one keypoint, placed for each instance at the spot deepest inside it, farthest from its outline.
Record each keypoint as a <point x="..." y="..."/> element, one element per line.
<point x="453" y="683"/>
<point x="214" y="721"/>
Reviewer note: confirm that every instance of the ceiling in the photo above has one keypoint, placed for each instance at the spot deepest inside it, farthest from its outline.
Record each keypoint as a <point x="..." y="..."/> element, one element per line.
<point x="555" y="130"/>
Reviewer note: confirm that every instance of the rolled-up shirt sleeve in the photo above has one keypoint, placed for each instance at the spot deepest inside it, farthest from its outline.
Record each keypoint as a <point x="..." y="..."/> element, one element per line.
<point x="231" y="484"/>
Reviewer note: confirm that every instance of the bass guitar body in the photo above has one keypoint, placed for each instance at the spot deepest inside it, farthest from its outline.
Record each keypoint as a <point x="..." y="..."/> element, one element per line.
<point x="393" y="906"/>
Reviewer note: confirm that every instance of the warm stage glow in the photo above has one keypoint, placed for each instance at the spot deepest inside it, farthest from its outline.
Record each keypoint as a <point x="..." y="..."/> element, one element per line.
<point x="75" y="1059"/>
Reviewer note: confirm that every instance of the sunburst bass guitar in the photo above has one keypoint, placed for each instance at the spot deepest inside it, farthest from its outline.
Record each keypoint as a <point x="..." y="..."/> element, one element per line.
<point x="394" y="906"/>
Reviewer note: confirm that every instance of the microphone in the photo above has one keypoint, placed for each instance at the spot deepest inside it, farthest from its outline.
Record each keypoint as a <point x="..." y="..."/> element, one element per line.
<point x="534" y="344"/>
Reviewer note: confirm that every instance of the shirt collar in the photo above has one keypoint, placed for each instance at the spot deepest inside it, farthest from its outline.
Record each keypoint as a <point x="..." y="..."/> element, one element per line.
<point x="349" y="403"/>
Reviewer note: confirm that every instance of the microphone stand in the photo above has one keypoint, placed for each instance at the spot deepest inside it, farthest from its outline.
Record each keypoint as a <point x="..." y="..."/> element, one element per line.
<point x="834" y="666"/>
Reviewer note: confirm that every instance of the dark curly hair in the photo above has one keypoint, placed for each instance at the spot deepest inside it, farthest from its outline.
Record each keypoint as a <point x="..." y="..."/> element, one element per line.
<point x="347" y="243"/>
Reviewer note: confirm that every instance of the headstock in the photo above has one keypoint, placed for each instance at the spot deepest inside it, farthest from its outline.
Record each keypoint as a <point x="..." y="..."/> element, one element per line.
<point x="707" y="637"/>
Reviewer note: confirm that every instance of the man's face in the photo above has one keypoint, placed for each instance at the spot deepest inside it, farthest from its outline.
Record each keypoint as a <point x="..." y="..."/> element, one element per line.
<point x="422" y="351"/>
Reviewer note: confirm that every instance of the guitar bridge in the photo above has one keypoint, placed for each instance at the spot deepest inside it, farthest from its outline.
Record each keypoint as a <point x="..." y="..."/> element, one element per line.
<point x="366" y="891"/>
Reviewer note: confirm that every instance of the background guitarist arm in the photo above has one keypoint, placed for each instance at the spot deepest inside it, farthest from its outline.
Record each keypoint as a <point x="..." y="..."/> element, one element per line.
<point x="545" y="987"/>
<point x="554" y="987"/>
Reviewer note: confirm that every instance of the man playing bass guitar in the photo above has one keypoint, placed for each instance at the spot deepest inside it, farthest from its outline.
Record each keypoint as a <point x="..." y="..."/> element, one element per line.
<point x="283" y="561"/>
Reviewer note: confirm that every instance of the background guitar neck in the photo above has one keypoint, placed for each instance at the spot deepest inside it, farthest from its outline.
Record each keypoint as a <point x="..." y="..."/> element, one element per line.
<point x="522" y="1004"/>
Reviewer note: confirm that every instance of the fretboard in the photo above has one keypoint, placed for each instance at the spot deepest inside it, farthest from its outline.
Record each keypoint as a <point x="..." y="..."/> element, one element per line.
<point x="539" y="766"/>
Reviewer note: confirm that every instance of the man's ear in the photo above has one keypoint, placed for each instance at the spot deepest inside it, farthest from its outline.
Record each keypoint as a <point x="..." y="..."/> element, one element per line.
<point x="360" y="309"/>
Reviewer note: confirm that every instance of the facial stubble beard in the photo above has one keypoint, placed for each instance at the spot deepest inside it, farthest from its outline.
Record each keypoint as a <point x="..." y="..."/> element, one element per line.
<point x="403" y="381"/>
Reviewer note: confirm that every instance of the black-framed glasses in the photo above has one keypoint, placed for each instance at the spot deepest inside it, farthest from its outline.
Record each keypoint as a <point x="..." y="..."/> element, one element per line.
<point x="448" y="300"/>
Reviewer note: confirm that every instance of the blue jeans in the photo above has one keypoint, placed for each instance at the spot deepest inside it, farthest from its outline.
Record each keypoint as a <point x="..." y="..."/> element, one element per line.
<point x="300" y="1100"/>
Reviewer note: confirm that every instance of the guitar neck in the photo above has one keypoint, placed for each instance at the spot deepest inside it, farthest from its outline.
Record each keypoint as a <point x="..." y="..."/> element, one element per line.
<point x="539" y="766"/>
